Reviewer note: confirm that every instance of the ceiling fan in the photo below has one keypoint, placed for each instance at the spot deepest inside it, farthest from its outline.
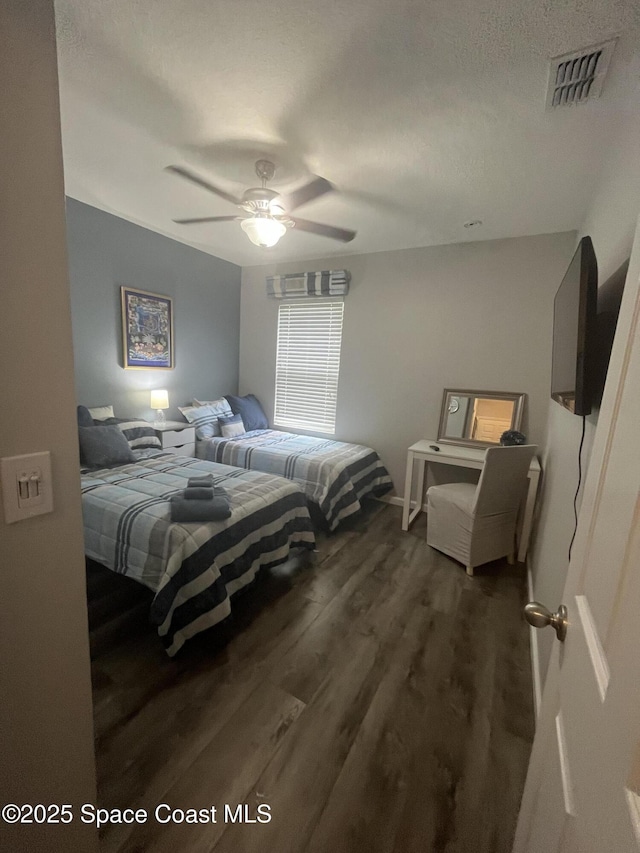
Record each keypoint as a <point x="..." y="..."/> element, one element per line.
<point x="268" y="211"/>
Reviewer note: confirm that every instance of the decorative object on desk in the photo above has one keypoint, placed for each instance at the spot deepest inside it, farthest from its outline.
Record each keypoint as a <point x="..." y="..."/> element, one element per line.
<point x="511" y="437"/>
<point x="147" y="330"/>
<point x="159" y="402"/>
<point x="478" y="418"/>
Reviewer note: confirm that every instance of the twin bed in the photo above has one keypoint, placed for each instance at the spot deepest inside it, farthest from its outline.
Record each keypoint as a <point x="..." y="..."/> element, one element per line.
<point x="271" y="478"/>
<point x="195" y="568"/>
<point x="333" y="475"/>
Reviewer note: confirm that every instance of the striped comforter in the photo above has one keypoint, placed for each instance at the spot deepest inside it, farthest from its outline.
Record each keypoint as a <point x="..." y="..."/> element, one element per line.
<point x="195" y="568"/>
<point x="333" y="475"/>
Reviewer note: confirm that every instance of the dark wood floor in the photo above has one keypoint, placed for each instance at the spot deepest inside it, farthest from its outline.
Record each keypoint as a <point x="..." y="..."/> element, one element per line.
<point x="378" y="700"/>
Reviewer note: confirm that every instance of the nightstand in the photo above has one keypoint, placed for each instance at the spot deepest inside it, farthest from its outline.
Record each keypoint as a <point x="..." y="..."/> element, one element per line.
<point x="177" y="437"/>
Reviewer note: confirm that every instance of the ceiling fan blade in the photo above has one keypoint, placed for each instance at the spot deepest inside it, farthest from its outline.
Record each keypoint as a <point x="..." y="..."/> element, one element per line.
<point x="195" y="179"/>
<point x="314" y="189"/>
<point x="341" y="234"/>
<point x="206" y="219"/>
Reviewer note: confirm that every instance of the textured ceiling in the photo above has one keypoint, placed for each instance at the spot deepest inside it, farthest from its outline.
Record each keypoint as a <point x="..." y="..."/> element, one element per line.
<point x="423" y="113"/>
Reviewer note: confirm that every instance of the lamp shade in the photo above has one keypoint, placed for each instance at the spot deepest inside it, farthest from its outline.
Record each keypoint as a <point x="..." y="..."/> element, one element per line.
<point x="264" y="231"/>
<point x="159" y="399"/>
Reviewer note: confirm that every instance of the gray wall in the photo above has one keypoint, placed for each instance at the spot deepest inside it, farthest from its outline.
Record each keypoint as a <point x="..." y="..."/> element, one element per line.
<point x="610" y="222"/>
<point x="471" y="315"/>
<point x="46" y="724"/>
<point x="106" y="252"/>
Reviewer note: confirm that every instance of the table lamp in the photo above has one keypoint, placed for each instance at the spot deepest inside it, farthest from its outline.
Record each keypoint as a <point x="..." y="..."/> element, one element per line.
<point x="159" y="402"/>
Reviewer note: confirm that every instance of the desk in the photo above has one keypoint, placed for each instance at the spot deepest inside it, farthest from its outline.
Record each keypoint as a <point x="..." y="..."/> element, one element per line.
<point x="464" y="457"/>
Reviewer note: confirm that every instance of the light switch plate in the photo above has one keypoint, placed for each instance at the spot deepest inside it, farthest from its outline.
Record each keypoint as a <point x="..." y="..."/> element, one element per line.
<point x="37" y="498"/>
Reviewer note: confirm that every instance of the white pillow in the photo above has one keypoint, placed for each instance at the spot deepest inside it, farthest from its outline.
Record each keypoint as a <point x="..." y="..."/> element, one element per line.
<point x="204" y="418"/>
<point x="220" y="405"/>
<point x="101" y="413"/>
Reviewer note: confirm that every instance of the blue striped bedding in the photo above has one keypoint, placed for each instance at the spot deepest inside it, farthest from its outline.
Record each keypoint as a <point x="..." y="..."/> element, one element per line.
<point x="334" y="475"/>
<point x="193" y="569"/>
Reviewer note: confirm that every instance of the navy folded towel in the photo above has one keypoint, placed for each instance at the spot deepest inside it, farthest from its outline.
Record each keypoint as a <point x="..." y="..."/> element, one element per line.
<point x="205" y="481"/>
<point x="215" y="509"/>
<point x="198" y="493"/>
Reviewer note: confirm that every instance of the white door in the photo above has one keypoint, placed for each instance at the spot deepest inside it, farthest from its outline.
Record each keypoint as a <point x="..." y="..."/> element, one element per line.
<point x="582" y="793"/>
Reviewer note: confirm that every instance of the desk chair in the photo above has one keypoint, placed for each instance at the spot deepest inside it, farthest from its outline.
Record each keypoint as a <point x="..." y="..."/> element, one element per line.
<point x="477" y="524"/>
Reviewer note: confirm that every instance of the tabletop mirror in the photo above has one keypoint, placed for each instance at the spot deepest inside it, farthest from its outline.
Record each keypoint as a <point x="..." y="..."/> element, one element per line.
<point x="478" y="418"/>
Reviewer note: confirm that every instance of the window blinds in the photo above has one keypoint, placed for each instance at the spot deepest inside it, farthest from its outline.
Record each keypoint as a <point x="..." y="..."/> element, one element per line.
<point x="308" y="364"/>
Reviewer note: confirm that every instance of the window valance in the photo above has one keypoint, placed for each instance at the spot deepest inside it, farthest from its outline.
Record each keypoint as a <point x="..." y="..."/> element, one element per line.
<point x="305" y="284"/>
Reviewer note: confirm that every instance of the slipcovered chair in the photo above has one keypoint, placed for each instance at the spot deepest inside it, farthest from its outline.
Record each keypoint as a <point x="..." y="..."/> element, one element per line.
<point x="477" y="524"/>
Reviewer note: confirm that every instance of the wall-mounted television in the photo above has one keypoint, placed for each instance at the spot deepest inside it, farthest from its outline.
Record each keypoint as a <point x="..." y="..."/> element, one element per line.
<point x="574" y="332"/>
<point x="609" y="302"/>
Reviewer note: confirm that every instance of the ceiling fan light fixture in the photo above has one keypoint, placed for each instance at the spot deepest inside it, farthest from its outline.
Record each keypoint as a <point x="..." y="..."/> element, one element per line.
<point x="268" y="212"/>
<point x="263" y="231"/>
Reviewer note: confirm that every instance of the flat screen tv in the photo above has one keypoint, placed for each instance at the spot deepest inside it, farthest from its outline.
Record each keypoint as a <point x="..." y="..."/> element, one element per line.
<point x="574" y="331"/>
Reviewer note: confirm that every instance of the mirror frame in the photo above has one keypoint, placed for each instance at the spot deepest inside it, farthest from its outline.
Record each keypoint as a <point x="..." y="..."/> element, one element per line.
<point x="516" y="418"/>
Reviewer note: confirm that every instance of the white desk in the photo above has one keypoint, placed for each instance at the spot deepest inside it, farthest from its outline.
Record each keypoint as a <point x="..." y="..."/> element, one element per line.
<point x="465" y="457"/>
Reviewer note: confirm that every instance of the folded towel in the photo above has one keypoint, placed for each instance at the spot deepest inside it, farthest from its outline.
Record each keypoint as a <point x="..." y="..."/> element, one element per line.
<point x="205" y="481"/>
<point x="198" y="493"/>
<point x="216" y="509"/>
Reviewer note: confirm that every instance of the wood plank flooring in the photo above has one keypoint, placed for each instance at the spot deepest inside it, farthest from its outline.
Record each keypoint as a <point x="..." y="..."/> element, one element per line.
<point x="376" y="699"/>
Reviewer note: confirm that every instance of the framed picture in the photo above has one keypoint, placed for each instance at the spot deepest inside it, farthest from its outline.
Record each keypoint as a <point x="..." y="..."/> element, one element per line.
<point x="147" y="330"/>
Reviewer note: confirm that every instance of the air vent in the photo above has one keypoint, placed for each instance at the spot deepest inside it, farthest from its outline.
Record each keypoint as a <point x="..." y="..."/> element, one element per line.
<point x="578" y="77"/>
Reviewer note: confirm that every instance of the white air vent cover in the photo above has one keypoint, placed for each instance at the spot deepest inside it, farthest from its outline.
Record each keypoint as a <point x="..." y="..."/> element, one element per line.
<point x="578" y="77"/>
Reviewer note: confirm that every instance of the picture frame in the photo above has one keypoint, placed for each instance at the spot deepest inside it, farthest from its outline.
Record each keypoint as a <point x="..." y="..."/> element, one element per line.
<point x="147" y="330"/>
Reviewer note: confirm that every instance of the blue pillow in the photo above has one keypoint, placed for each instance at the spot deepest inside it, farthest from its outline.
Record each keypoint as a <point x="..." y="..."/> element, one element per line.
<point x="250" y="410"/>
<point x="232" y="426"/>
<point x="104" y="447"/>
<point x="84" y="417"/>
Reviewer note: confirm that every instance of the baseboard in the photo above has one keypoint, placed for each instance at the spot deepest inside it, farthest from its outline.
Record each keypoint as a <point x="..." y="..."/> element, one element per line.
<point x="386" y="499"/>
<point x="535" y="654"/>
<point x="397" y="501"/>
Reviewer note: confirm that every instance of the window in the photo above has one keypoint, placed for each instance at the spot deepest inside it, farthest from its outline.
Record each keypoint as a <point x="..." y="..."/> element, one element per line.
<point x="308" y="364"/>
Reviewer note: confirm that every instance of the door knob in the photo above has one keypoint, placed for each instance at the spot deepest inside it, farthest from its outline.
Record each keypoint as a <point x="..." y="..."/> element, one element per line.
<point x="540" y="616"/>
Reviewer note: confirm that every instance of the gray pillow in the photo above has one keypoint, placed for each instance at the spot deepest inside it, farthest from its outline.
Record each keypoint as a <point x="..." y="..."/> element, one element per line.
<point x="104" y="446"/>
<point x="231" y="427"/>
<point x="84" y="417"/>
